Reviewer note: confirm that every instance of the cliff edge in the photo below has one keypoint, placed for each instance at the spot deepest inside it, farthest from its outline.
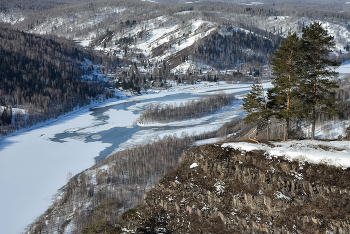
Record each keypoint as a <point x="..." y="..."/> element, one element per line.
<point x="218" y="189"/>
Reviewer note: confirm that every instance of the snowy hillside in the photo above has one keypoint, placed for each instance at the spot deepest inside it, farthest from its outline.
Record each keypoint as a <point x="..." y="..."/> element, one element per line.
<point x="149" y="33"/>
<point x="283" y="24"/>
<point x="11" y="17"/>
<point x="80" y="136"/>
<point x="335" y="153"/>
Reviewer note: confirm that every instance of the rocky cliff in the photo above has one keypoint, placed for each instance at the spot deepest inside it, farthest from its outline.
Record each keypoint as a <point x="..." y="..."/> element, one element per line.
<point x="223" y="190"/>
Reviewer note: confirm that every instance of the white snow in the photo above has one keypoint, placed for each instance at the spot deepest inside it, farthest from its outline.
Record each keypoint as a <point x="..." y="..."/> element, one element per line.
<point x="252" y="3"/>
<point x="65" y="24"/>
<point x="220" y="187"/>
<point x="149" y="1"/>
<point x="297" y="175"/>
<point x="344" y="68"/>
<point x="284" y="24"/>
<point x="159" y="35"/>
<point x="305" y="150"/>
<point x="183" y="12"/>
<point x="70" y="228"/>
<point x="117" y="118"/>
<point x="84" y="43"/>
<point x="207" y="141"/>
<point x="12" y="17"/>
<point x="32" y="168"/>
<point x="121" y="118"/>
<point x="191" y="66"/>
<point x="96" y="137"/>
<point x="278" y="17"/>
<point x="155" y="35"/>
<point x="280" y="195"/>
<point x="193" y="165"/>
<point x="329" y="129"/>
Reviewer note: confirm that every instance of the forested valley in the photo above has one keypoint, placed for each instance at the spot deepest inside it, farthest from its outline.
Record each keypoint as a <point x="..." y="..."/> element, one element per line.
<point x="58" y="56"/>
<point x="41" y="78"/>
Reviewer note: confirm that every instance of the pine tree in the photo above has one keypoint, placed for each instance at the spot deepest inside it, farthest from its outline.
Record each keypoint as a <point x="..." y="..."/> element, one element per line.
<point x="283" y="98"/>
<point x="6" y="116"/>
<point x="317" y="90"/>
<point x="255" y="104"/>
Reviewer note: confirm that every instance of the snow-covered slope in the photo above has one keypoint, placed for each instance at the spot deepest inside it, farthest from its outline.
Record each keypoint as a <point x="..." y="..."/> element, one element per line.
<point x="151" y="32"/>
<point x="11" y="17"/>
<point x="285" y="24"/>
<point x="335" y="153"/>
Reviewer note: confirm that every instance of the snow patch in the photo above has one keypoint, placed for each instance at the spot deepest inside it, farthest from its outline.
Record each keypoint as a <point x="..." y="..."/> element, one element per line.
<point x="338" y="153"/>
<point x="220" y="187"/>
<point x="207" y="141"/>
<point x="280" y="195"/>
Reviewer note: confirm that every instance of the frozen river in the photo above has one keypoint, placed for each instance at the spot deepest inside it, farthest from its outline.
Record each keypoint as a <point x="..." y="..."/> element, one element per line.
<point x="35" y="163"/>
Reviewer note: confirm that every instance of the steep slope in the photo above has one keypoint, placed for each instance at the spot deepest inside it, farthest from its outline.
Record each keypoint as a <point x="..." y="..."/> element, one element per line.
<point x="108" y="189"/>
<point x="219" y="189"/>
<point x="42" y="76"/>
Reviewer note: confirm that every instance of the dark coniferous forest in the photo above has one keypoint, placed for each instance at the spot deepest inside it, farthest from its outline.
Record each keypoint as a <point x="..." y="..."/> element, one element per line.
<point x="223" y="51"/>
<point x="42" y="76"/>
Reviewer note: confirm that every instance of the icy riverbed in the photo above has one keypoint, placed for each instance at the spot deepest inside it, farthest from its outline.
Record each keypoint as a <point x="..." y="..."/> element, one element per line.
<point x="35" y="163"/>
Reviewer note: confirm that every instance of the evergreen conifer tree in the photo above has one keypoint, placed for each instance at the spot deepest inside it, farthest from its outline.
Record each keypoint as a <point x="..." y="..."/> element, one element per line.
<point x="317" y="90"/>
<point x="283" y="98"/>
<point x="6" y="116"/>
<point x="255" y="104"/>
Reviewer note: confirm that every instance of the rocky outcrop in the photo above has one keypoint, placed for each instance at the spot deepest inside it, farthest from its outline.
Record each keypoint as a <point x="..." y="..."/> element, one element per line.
<point x="222" y="190"/>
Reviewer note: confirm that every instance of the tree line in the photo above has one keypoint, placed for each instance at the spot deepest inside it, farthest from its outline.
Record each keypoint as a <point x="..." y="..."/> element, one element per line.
<point x="188" y="110"/>
<point x="303" y="80"/>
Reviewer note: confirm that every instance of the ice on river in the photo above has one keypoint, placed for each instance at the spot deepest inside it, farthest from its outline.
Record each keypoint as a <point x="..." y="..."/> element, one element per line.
<point x="35" y="163"/>
<point x="32" y="168"/>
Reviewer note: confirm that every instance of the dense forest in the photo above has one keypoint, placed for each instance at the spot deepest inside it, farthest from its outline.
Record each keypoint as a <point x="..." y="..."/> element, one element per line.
<point x="41" y="78"/>
<point x="237" y="46"/>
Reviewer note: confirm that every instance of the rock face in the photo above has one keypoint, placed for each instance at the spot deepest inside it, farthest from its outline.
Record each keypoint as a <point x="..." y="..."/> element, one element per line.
<point x="222" y="190"/>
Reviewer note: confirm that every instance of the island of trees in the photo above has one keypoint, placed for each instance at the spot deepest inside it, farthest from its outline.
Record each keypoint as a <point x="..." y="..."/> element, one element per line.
<point x="191" y="109"/>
